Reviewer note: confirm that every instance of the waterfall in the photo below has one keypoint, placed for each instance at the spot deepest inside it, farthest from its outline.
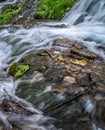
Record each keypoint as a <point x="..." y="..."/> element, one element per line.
<point x="89" y="19"/>
<point x="86" y="11"/>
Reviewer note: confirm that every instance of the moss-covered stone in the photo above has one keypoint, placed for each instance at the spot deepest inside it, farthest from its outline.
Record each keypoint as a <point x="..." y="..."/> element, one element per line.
<point x="12" y="69"/>
<point x="18" y="70"/>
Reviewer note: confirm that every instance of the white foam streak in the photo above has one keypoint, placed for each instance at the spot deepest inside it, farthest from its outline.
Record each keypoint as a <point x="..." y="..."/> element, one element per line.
<point x="25" y="41"/>
<point x="5" y="52"/>
<point x="95" y="128"/>
<point x="7" y="2"/>
<point x="91" y="10"/>
<point x="77" y="11"/>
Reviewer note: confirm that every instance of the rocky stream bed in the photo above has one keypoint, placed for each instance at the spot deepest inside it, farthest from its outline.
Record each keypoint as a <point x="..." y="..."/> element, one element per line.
<point x="66" y="70"/>
<point x="64" y="87"/>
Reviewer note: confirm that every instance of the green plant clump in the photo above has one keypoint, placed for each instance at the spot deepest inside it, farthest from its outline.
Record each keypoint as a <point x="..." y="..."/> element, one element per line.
<point x="12" y="11"/>
<point x="18" y="70"/>
<point x="53" y="9"/>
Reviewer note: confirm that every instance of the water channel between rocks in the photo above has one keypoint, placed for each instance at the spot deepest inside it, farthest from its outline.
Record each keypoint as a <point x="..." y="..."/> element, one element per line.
<point x="65" y="59"/>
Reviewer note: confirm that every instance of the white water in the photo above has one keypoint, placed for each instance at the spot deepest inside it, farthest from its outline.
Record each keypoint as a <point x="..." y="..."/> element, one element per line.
<point x="88" y="11"/>
<point x="7" y="2"/>
<point x="86" y="24"/>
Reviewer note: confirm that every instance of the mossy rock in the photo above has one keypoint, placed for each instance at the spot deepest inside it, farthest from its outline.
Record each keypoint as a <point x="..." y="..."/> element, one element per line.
<point x="18" y="69"/>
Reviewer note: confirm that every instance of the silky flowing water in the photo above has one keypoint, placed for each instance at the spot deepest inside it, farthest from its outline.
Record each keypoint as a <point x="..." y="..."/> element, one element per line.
<point x="7" y="2"/>
<point x="84" y="23"/>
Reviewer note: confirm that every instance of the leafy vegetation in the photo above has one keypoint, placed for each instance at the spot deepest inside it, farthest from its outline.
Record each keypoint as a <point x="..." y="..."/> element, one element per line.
<point x="12" y="11"/>
<point x="53" y="9"/>
<point x="8" y="14"/>
<point x="18" y="70"/>
<point x="46" y="9"/>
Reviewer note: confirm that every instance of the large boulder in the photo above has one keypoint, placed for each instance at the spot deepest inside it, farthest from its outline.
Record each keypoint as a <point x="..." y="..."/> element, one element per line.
<point x="59" y="73"/>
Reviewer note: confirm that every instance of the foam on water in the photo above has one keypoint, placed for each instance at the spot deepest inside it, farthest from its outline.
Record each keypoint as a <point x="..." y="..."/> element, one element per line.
<point x="86" y="24"/>
<point x="84" y="11"/>
<point x="24" y="41"/>
<point x="5" y="52"/>
<point x="89" y="30"/>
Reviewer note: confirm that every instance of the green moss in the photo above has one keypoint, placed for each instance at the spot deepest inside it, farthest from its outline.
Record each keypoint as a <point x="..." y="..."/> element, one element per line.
<point x="13" y="69"/>
<point x="17" y="69"/>
<point x="27" y="20"/>
<point x="53" y="9"/>
<point x="26" y="1"/>
<point x="21" y="71"/>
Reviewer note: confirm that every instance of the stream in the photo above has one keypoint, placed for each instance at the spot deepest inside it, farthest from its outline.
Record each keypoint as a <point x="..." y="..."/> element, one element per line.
<point x="84" y="23"/>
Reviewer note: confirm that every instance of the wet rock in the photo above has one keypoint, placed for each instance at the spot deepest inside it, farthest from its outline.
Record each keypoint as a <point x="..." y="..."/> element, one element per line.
<point x="69" y="79"/>
<point x="58" y="25"/>
<point x="85" y="80"/>
<point x="78" y="46"/>
<point x="63" y="74"/>
<point x="55" y="75"/>
<point x="83" y="125"/>
<point x="37" y="75"/>
<point x="99" y="115"/>
<point x="60" y="88"/>
<point x="81" y="62"/>
<point x="63" y="43"/>
<point x="38" y="63"/>
<point x="68" y="116"/>
<point x="84" y="53"/>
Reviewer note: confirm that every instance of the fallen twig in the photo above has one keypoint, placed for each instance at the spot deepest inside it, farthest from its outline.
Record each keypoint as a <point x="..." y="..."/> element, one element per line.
<point x="88" y="90"/>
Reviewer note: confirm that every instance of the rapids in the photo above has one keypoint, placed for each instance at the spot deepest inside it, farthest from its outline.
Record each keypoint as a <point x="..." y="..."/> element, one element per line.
<point x="85" y="23"/>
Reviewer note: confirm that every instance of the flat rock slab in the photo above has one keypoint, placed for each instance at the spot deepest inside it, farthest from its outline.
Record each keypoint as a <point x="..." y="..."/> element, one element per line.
<point x="67" y="64"/>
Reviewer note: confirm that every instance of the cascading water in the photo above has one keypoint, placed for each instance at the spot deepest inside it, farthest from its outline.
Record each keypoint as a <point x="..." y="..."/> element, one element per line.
<point x="83" y="11"/>
<point x="85" y="24"/>
<point x="8" y="2"/>
<point x="89" y="19"/>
